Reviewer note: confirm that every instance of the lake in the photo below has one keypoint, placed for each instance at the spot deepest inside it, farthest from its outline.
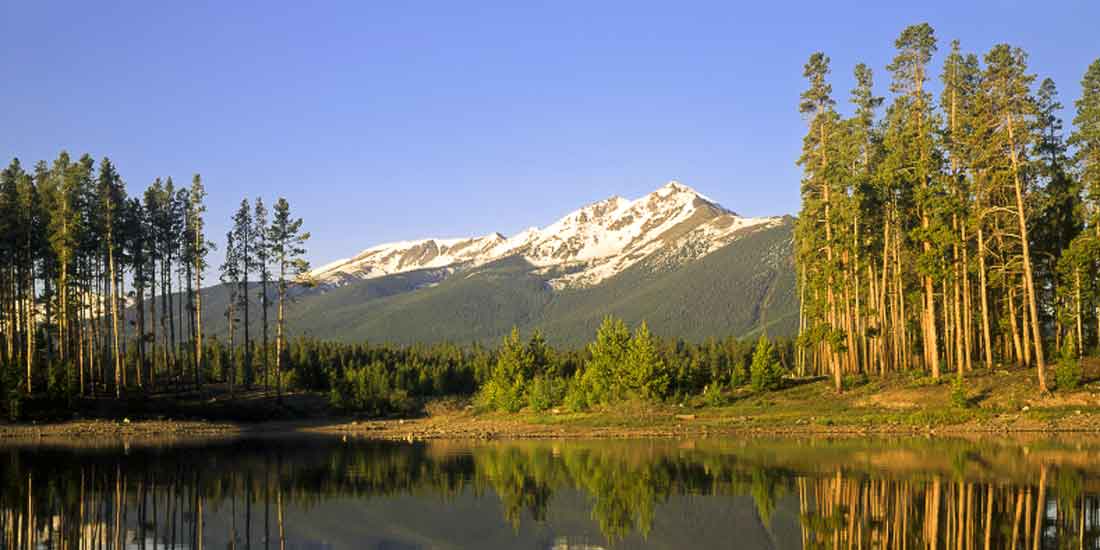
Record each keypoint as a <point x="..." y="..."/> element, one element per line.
<point x="330" y="492"/>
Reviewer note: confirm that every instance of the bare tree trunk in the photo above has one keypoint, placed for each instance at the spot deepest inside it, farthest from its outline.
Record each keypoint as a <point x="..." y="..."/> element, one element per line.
<point x="114" y="312"/>
<point x="199" y="247"/>
<point x="987" y="341"/>
<point x="1017" y="345"/>
<point x="1028" y="277"/>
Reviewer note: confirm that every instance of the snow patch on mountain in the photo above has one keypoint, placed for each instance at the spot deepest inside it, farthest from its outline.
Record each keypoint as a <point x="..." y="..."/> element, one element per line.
<point x="670" y="226"/>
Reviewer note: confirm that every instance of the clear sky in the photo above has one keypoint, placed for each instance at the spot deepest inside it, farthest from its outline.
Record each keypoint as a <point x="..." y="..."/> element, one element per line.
<point x="387" y="121"/>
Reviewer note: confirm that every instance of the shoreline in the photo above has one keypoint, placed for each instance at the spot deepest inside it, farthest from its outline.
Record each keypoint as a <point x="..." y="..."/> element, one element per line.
<point x="1001" y="403"/>
<point x="468" y="426"/>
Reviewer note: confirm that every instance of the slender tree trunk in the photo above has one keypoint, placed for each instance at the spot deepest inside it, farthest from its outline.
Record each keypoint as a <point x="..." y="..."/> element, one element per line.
<point x="139" y="289"/>
<point x="114" y="311"/>
<point x="199" y="248"/>
<point x="264" y="304"/>
<point x="968" y="343"/>
<point x="987" y="341"/>
<point x="153" y="321"/>
<point x="280" y="332"/>
<point x="1025" y="325"/>
<point x="1028" y="277"/>
<point x="1017" y="345"/>
<point x="192" y="323"/>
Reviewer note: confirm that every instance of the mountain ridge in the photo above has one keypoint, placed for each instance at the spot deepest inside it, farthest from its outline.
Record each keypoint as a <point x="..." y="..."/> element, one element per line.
<point x="596" y="241"/>
<point x="689" y="267"/>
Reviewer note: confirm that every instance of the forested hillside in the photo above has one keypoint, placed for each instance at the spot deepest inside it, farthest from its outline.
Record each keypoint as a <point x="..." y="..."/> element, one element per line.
<point x="736" y="291"/>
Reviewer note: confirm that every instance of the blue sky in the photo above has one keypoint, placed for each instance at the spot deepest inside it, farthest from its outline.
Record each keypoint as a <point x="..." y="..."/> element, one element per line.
<point x="386" y="121"/>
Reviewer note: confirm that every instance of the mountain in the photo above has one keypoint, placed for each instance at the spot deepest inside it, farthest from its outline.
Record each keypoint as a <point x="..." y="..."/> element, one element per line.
<point x="582" y="249"/>
<point x="688" y="266"/>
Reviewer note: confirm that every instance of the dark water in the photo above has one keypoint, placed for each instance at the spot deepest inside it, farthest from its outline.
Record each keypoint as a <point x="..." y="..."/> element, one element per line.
<point x="715" y="493"/>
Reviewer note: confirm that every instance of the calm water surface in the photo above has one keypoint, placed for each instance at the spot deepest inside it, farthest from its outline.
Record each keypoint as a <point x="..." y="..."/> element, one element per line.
<point x="315" y="492"/>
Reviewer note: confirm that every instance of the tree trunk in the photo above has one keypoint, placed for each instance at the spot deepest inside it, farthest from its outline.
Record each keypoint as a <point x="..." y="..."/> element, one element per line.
<point x="199" y="248"/>
<point x="1016" y="344"/>
<point x="114" y="316"/>
<point x="1028" y="277"/>
<point x="987" y="341"/>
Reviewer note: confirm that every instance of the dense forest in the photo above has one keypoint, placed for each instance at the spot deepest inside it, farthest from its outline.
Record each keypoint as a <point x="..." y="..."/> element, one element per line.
<point x="80" y="260"/>
<point x="950" y="232"/>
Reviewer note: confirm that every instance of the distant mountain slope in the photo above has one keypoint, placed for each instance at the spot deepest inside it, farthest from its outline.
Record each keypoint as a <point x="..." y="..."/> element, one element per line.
<point x="583" y="248"/>
<point x="684" y="264"/>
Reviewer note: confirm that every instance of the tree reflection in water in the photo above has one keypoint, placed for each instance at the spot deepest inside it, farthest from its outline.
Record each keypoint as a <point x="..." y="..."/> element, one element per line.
<point x="849" y="494"/>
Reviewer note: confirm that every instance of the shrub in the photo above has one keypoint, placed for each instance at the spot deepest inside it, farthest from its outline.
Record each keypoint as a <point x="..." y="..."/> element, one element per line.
<point x="766" y="372"/>
<point x="738" y="375"/>
<point x="713" y="394"/>
<point x="576" y="395"/>
<point x="544" y="392"/>
<point x="1067" y="373"/>
<point x="959" y="397"/>
<point x="11" y="391"/>
<point x="851" y="381"/>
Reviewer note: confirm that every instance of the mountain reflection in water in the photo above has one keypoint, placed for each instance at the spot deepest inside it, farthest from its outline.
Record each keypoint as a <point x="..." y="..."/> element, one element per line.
<point x="319" y="492"/>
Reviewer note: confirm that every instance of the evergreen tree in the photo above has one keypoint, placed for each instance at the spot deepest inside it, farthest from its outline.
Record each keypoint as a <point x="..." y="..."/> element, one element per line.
<point x="506" y="388"/>
<point x="604" y="373"/>
<point x="1086" y="140"/>
<point x="244" y="235"/>
<point x="646" y="373"/>
<point x="230" y="279"/>
<point x="766" y="372"/>
<point x="820" y="325"/>
<point x="200" y="247"/>
<point x="287" y="242"/>
<point x="916" y="127"/>
<point x="263" y="268"/>
<point x="112" y="197"/>
<point x="1007" y="83"/>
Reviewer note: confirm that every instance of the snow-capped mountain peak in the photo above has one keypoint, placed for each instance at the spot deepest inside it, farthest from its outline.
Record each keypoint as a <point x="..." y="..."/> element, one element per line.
<point x="673" y="223"/>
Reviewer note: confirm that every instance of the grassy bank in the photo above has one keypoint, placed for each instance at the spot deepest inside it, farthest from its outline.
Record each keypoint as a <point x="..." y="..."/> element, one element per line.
<point x="997" y="401"/>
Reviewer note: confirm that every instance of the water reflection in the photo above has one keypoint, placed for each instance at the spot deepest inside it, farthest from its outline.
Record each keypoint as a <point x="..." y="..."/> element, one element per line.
<point x="323" y="492"/>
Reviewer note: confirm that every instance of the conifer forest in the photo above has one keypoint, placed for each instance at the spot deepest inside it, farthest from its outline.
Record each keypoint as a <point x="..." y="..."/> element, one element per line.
<point x="951" y="225"/>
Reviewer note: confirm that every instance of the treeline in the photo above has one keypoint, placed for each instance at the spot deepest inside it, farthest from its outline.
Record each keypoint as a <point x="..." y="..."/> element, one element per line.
<point x="80" y="260"/>
<point x="948" y="232"/>
<point x="523" y="372"/>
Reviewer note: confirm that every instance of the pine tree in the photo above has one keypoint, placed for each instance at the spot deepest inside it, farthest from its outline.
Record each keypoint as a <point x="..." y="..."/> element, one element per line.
<point x="230" y="279"/>
<point x="200" y="247"/>
<point x="112" y="196"/>
<point x="1008" y="84"/>
<point x="915" y="46"/>
<point x="244" y="236"/>
<point x="818" y="192"/>
<point x="647" y="375"/>
<point x="766" y="372"/>
<point x="1058" y="211"/>
<point x="604" y="376"/>
<point x="287" y="242"/>
<point x="263" y="267"/>
<point x="505" y="389"/>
